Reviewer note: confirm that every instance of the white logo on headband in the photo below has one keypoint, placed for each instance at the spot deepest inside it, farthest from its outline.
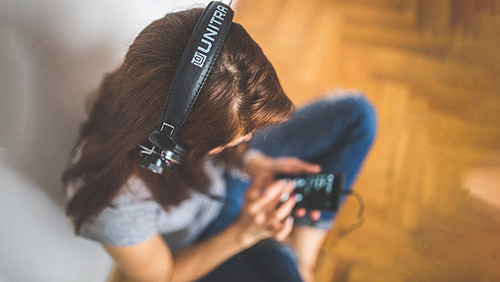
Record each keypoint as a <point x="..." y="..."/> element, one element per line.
<point x="199" y="59"/>
<point x="212" y="30"/>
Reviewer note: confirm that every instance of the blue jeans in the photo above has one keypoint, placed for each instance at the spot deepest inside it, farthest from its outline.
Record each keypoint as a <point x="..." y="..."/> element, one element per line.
<point x="333" y="132"/>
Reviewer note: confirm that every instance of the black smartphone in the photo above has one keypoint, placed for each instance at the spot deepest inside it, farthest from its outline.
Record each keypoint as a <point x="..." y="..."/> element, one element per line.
<point x="316" y="191"/>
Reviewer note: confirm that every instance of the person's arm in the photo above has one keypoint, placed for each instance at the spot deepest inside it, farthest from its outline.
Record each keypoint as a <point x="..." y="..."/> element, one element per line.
<point x="152" y="260"/>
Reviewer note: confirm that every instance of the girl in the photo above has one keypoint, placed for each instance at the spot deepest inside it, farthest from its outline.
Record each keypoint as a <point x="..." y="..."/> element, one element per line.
<point x="216" y="217"/>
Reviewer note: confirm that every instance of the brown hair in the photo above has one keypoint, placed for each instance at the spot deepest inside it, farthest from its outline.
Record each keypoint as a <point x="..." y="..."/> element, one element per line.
<point x="241" y="94"/>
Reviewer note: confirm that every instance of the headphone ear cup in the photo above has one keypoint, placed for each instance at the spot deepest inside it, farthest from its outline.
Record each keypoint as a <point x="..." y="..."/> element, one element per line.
<point x="152" y="162"/>
<point x="180" y="151"/>
<point x="155" y="159"/>
<point x="174" y="157"/>
<point x="159" y="139"/>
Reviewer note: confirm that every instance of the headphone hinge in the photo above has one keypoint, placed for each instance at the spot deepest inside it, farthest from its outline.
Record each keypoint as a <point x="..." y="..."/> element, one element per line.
<point x="172" y="128"/>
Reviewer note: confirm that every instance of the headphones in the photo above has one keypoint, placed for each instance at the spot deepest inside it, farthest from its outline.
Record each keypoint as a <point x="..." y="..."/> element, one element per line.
<point x="162" y="150"/>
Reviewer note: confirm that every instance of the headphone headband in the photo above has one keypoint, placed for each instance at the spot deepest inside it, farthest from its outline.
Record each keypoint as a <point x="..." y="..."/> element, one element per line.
<point x="194" y="67"/>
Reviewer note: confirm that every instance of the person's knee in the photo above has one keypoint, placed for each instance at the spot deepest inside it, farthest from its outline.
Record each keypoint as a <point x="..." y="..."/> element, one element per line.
<point x="365" y="116"/>
<point x="270" y="247"/>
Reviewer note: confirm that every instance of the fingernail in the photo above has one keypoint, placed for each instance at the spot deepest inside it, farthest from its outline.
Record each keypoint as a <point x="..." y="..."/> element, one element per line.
<point x="284" y="197"/>
<point x="298" y="197"/>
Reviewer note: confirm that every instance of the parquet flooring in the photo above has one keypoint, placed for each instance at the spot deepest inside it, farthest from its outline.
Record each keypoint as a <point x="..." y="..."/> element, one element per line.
<point x="431" y="68"/>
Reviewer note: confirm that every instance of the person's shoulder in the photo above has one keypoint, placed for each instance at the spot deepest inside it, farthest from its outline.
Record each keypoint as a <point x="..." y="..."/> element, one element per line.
<point x="129" y="219"/>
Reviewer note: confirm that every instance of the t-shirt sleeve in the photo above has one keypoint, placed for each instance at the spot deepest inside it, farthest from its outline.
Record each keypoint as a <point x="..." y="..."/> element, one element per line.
<point x="127" y="222"/>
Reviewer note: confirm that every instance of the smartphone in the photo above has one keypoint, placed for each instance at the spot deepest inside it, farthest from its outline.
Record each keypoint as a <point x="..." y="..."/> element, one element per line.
<point x="316" y="191"/>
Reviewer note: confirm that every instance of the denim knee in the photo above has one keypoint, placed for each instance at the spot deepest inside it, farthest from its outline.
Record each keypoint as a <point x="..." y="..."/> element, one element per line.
<point x="269" y="245"/>
<point x="359" y="129"/>
<point x="365" y="116"/>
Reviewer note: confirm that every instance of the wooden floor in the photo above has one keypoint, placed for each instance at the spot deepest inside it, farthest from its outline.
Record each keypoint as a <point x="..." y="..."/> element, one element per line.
<point x="431" y="68"/>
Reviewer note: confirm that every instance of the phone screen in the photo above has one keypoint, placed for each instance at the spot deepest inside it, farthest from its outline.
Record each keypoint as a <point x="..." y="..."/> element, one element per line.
<point x="317" y="191"/>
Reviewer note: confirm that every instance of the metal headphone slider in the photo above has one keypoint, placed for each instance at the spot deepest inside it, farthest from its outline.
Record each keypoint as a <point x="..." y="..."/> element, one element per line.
<point x="163" y="125"/>
<point x="170" y="157"/>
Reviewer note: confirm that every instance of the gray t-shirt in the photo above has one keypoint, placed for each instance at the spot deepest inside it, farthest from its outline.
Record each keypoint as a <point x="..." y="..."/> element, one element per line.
<point x="135" y="217"/>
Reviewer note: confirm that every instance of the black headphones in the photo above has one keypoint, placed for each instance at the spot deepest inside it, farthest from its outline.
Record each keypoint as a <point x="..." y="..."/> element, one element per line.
<point x="162" y="150"/>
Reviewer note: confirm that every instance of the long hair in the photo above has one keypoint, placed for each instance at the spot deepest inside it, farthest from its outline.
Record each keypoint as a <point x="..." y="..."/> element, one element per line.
<point x="241" y="94"/>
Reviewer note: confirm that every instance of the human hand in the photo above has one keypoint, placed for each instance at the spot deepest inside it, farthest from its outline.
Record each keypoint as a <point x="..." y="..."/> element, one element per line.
<point x="262" y="216"/>
<point x="258" y="165"/>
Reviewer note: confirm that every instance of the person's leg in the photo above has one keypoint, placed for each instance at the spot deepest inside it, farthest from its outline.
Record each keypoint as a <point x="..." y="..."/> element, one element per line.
<point x="237" y="268"/>
<point x="266" y="261"/>
<point x="333" y="132"/>
<point x="275" y="260"/>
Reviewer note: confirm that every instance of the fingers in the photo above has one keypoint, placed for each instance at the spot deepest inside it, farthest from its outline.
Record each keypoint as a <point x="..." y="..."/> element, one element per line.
<point x="284" y="210"/>
<point x="265" y="213"/>
<point x="270" y="195"/>
<point x="255" y="189"/>
<point x="285" y="229"/>
<point x="300" y="212"/>
<point x="315" y="214"/>
<point x="281" y="221"/>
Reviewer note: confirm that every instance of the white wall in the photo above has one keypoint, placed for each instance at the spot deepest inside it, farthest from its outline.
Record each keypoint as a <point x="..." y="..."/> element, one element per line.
<point x="36" y="243"/>
<point x="52" y="54"/>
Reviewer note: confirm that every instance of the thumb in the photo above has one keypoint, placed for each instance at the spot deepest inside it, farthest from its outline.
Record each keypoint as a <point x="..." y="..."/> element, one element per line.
<point x="299" y="166"/>
<point x="310" y="167"/>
